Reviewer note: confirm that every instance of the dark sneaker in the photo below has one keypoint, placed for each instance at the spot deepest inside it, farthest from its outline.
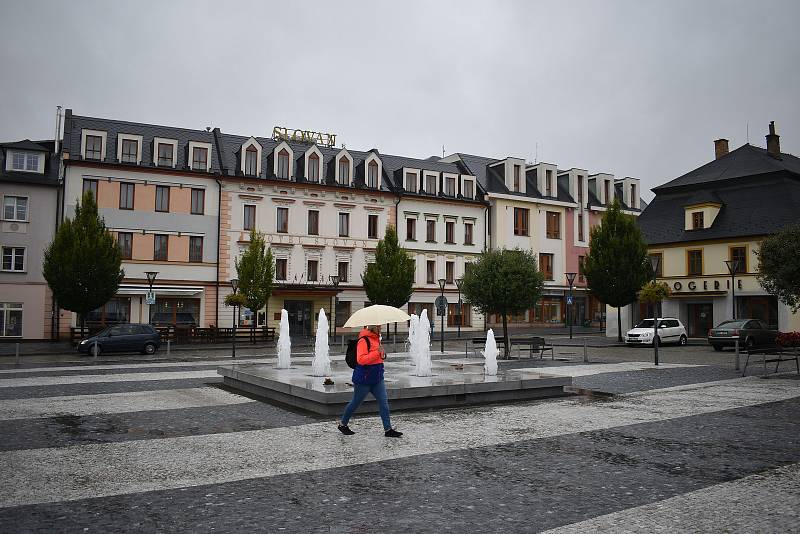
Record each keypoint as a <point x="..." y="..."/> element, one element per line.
<point x="392" y="433"/>
<point x="344" y="429"/>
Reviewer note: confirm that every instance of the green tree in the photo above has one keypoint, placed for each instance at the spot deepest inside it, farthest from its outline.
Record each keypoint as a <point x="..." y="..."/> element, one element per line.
<point x="255" y="271"/>
<point x="82" y="264"/>
<point x="616" y="267"/>
<point x="779" y="266"/>
<point x="504" y="281"/>
<point x="390" y="278"/>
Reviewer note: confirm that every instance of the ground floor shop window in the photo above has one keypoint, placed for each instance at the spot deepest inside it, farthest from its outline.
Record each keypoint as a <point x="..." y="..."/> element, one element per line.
<point x="764" y="307"/>
<point x="10" y="319"/>
<point x="117" y="310"/>
<point x="417" y="307"/>
<point x="175" y="311"/>
<point x="454" y="318"/>
<point x="547" y="310"/>
<point x="342" y="313"/>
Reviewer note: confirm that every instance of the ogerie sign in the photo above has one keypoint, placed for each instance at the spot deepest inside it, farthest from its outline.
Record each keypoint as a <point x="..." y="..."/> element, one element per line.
<point x="281" y="133"/>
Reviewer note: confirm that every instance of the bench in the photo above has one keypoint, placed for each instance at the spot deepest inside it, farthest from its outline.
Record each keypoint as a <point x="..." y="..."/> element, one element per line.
<point x="778" y="353"/>
<point x="534" y="345"/>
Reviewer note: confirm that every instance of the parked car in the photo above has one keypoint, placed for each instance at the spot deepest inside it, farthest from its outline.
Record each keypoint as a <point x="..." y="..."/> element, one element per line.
<point x="670" y="330"/>
<point x="123" y="338"/>
<point x="750" y="332"/>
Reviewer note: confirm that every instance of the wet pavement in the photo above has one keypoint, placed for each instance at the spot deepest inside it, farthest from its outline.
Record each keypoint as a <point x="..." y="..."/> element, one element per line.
<point x="664" y="449"/>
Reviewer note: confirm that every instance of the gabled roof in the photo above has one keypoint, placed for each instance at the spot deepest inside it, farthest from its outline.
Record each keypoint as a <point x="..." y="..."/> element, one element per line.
<point x="747" y="160"/>
<point x="25" y="144"/>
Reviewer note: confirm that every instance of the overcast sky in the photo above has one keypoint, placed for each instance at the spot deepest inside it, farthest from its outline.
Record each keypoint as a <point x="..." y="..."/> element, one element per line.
<point x="637" y="88"/>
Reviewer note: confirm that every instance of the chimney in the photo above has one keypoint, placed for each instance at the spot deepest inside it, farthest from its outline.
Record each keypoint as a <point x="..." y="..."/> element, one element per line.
<point x="720" y="148"/>
<point x="773" y="141"/>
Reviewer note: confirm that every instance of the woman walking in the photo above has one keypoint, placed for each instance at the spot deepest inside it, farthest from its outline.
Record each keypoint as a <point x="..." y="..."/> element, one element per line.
<point x="368" y="378"/>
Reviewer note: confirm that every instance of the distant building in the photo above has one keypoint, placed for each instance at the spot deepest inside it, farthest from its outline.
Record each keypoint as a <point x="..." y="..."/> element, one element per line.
<point x="29" y="188"/>
<point x="549" y="212"/>
<point x="721" y="211"/>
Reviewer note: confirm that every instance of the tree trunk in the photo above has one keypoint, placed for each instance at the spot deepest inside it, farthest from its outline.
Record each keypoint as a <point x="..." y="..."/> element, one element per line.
<point x="83" y="325"/>
<point x="505" y="336"/>
<point x="619" y="325"/>
<point x="253" y="329"/>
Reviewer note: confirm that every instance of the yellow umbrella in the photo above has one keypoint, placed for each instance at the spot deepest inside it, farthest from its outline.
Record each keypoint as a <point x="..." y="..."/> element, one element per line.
<point x="375" y="315"/>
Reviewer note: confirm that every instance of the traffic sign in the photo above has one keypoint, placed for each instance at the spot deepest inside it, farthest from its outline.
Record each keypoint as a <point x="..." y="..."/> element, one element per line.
<point x="441" y="305"/>
<point x="150" y="298"/>
<point x="569" y="301"/>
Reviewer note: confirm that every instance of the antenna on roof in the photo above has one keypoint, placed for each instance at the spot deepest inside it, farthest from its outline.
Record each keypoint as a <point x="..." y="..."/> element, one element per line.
<point x="536" y="156"/>
<point x="442" y="151"/>
<point x="747" y="130"/>
<point x="208" y="128"/>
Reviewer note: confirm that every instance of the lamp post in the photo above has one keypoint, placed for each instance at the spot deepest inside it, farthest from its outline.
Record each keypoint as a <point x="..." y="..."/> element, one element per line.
<point x="442" y="282"/>
<point x="654" y="261"/>
<point x="570" y="281"/>
<point x="235" y="286"/>
<point x="733" y="268"/>
<point x="460" y="306"/>
<point x="151" y="277"/>
<point x="335" y="281"/>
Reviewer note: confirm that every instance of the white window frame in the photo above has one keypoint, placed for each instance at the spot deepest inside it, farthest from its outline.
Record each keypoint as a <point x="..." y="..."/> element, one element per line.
<point x="198" y="144"/>
<point x="339" y="156"/>
<point x="16" y="216"/>
<point x="6" y="307"/>
<point x="26" y="155"/>
<point x="372" y="157"/>
<point x="251" y="142"/>
<point x="454" y="177"/>
<point x="281" y="146"/>
<point x="163" y="141"/>
<point x="129" y="137"/>
<point x="339" y="224"/>
<point x="306" y="162"/>
<point x="103" y="143"/>
<point x="13" y="256"/>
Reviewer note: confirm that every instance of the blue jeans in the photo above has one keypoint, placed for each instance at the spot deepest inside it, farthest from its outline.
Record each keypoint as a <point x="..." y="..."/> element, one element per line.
<point x="360" y="393"/>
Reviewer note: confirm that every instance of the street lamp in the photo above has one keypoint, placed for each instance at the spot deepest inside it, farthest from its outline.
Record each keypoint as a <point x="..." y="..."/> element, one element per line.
<point x="442" y="282"/>
<point x="460" y="307"/>
<point x="570" y="281"/>
<point x="654" y="261"/>
<point x="733" y="268"/>
<point x="235" y="286"/>
<point x="335" y="281"/>
<point x="150" y="298"/>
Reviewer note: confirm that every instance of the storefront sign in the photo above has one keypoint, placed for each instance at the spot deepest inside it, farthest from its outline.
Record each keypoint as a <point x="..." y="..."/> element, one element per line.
<point x="705" y="285"/>
<point x="280" y="133"/>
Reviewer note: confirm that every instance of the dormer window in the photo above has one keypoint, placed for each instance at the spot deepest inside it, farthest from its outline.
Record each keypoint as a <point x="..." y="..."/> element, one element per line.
<point x="411" y="182"/>
<point x="450" y="186"/>
<point x="130" y="151"/>
<point x="580" y="189"/>
<point x="165" y="155"/>
<point x="251" y="161"/>
<point x="344" y="170"/>
<point x="467" y="190"/>
<point x="94" y="147"/>
<point x="200" y="159"/>
<point x="372" y="174"/>
<point x="607" y="192"/>
<point x="633" y="202"/>
<point x="430" y="184"/>
<point x="517" y="178"/>
<point x="313" y="168"/>
<point x="22" y="161"/>
<point x="548" y="182"/>
<point x="697" y="220"/>
<point x="283" y="165"/>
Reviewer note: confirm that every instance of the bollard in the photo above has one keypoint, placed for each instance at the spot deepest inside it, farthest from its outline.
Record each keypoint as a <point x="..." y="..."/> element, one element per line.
<point x="736" y="350"/>
<point x="169" y="342"/>
<point x="585" y="354"/>
<point x="16" y="350"/>
<point x="95" y="354"/>
<point x="342" y="343"/>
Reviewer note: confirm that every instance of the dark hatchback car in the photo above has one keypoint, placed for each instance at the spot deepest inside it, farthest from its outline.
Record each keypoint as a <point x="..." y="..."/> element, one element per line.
<point x="751" y="333"/>
<point x="123" y="338"/>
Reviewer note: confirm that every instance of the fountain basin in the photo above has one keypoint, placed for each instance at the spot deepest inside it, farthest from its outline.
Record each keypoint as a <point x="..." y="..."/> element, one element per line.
<point x="449" y="386"/>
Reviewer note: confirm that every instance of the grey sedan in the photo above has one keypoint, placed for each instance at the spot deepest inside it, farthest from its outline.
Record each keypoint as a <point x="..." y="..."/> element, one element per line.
<point x="750" y="332"/>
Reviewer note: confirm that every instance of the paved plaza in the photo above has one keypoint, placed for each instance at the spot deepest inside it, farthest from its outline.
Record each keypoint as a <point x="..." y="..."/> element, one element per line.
<point x="160" y="446"/>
